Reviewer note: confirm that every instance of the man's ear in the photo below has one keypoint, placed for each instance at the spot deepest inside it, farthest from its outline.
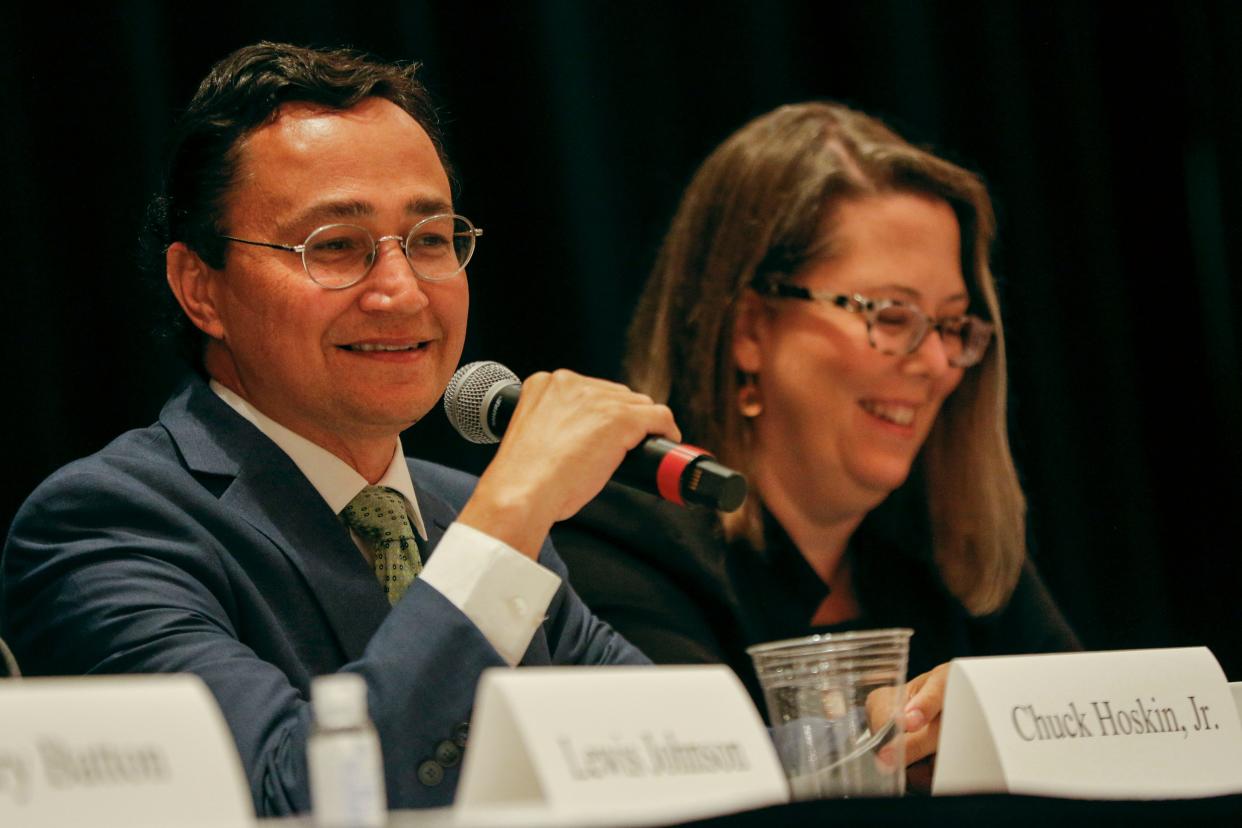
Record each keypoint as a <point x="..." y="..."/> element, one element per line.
<point x="750" y="327"/>
<point x="194" y="285"/>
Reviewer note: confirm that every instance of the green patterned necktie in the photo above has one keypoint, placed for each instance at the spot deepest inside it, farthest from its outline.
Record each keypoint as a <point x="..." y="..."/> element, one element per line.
<point x="377" y="514"/>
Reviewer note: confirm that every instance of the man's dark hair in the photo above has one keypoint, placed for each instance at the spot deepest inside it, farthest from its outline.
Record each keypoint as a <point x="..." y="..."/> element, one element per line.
<point x="240" y="94"/>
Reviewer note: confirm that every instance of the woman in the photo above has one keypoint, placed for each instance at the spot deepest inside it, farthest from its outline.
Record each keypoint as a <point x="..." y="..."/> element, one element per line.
<point x="823" y="317"/>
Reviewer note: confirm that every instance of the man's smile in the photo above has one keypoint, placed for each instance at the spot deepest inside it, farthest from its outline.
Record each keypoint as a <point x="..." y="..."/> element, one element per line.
<point x="383" y="347"/>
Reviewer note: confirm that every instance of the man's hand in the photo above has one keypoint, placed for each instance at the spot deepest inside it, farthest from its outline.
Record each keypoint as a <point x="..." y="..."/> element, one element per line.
<point x="567" y="436"/>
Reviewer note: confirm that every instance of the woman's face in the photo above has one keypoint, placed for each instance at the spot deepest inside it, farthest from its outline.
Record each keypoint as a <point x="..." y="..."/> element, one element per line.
<point x="842" y="422"/>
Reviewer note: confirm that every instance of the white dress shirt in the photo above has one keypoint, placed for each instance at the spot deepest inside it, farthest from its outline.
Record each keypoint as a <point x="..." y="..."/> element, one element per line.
<point x="503" y="592"/>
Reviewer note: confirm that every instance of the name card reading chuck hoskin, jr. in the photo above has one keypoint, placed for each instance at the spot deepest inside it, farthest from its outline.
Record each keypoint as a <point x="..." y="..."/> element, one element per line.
<point x="103" y="751"/>
<point x="1132" y="724"/>
<point x="615" y="746"/>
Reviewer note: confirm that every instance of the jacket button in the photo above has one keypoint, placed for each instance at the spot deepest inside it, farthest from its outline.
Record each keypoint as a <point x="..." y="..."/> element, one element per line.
<point x="448" y="754"/>
<point x="460" y="732"/>
<point x="430" y="773"/>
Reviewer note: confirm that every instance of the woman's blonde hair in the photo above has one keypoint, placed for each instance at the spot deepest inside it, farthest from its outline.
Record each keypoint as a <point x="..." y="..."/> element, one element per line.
<point x="758" y="206"/>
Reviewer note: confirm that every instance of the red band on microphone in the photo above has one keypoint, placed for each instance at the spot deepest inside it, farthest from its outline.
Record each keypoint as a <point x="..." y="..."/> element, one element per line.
<point x="668" y="475"/>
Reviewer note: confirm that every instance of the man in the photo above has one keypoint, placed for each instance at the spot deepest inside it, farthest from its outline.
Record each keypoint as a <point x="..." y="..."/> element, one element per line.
<point x="311" y="243"/>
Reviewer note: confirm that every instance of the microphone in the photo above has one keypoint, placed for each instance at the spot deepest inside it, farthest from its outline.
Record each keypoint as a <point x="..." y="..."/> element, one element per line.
<point x="480" y="400"/>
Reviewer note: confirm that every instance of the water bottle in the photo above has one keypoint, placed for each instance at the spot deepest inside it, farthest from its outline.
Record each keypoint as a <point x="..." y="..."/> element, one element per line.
<point x="343" y="755"/>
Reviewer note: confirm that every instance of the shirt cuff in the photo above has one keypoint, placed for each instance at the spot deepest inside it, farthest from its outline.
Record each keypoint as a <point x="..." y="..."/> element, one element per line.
<point x="502" y="591"/>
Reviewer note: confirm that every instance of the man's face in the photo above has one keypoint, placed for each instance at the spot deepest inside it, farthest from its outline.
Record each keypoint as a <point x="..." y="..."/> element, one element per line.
<point x="337" y="366"/>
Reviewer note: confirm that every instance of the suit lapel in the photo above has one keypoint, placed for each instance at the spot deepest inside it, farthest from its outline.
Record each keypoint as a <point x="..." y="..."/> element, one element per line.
<point x="279" y="502"/>
<point x="271" y="494"/>
<point x="437" y="516"/>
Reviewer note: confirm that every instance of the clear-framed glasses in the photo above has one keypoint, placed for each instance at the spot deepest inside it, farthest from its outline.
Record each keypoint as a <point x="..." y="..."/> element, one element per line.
<point x="896" y="327"/>
<point x="337" y="256"/>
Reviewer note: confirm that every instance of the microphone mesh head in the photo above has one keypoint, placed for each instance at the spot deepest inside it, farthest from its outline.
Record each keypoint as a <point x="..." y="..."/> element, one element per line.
<point x="468" y="394"/>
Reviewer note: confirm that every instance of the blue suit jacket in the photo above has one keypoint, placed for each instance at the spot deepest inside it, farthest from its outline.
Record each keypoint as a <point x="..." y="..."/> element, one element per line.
<point x="196" y="545"/>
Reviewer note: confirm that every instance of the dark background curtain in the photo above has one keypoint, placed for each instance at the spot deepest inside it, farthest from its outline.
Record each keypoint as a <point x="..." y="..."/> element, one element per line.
<point x="1109" y="136"/>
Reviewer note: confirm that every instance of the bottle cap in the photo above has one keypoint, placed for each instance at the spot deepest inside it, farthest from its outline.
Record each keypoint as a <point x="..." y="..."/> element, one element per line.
<point x="339" y="700"/>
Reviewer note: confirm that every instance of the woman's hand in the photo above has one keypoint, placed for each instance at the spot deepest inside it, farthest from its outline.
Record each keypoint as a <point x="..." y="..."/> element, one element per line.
<point x="926" y="693"/>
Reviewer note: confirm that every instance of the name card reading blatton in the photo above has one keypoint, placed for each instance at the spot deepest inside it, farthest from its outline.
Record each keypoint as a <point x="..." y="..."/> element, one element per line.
<point x="118" y="751"/>
<point x="1133" y="724"/>
<point x="616" y="746"/>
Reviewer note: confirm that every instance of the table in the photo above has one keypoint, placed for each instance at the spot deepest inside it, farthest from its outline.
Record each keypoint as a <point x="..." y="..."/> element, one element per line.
<point x="993" y="809"/>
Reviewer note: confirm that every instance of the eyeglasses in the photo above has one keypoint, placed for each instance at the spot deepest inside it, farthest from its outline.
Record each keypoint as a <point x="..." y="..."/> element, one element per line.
<point x="337" y="256"/>
<point x="894" y="327"/>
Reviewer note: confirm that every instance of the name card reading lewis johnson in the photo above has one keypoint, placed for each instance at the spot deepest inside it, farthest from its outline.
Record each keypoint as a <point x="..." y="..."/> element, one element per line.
<point x="616" y="745"/>
<point x="648" y="754"/>
<point x="110" y="751"/>
<point x="1134" y="724"/>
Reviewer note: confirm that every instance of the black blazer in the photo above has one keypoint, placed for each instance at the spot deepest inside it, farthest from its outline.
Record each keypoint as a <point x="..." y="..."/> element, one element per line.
<point x="664" y="577"/>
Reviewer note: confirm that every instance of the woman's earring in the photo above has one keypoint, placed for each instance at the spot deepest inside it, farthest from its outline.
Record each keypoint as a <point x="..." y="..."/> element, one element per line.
<point x="748" y="400"/>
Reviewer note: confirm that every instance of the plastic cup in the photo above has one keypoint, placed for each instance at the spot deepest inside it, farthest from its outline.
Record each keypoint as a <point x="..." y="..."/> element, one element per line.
<point x="835" y="704"/>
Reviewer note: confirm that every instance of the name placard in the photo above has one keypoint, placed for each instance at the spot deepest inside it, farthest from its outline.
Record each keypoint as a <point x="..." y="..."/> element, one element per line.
<point x="118" y="751"/>
<point x="615" y="746"/>
<point x="1133" y="724"/>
